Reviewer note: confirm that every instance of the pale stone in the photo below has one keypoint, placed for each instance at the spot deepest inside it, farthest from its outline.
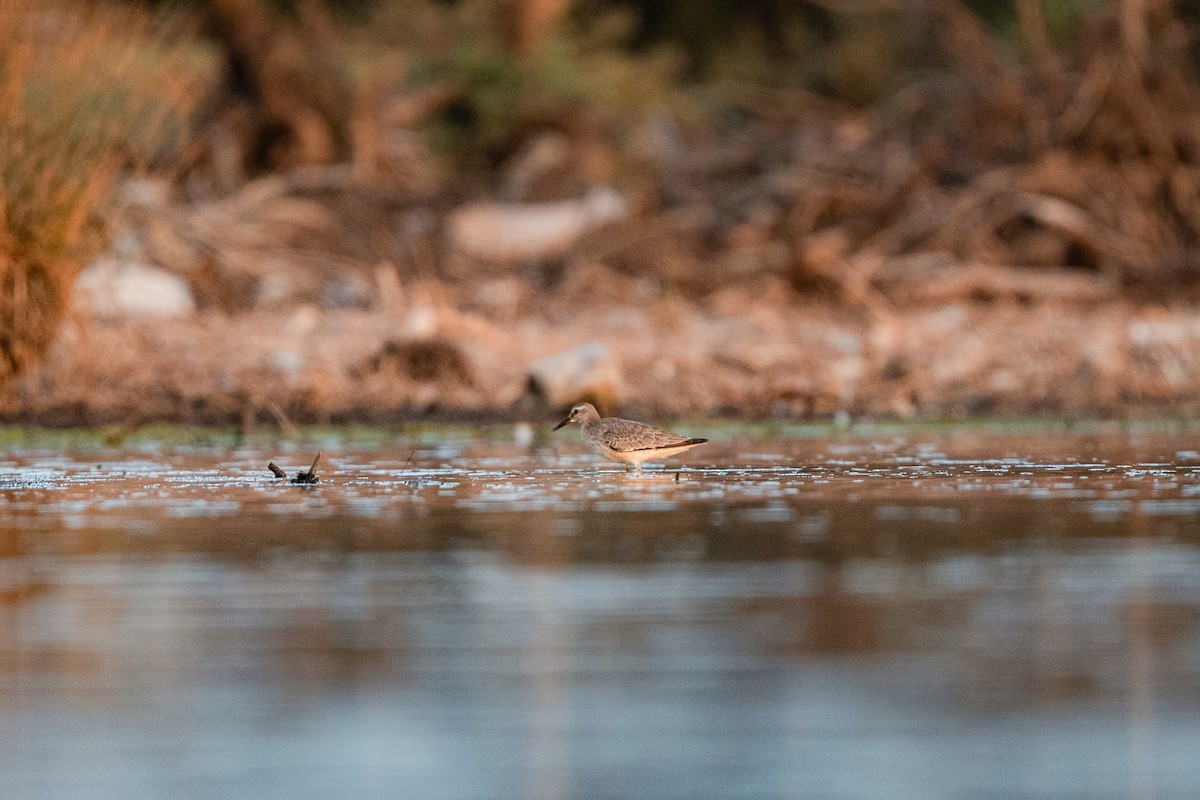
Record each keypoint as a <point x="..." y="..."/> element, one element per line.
<point x="127" y="289"/>
<point x="591" y="370"/>
<point x="505" y="232"/>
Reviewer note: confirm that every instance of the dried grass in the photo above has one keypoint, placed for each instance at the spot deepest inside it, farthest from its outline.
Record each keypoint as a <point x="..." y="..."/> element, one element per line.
<point x="86" y="95"/>
<point x="1088" y="164"/>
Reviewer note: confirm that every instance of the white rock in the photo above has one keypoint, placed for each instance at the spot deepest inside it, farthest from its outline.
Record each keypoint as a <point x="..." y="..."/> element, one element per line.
<point x="303" y="321"/>
<point x="587" y="371"/>
<point x="421" y="322"/>
<point x="504" y="232"/>
<point x="286" y="362"/>
<point x="523" y="434"/>
<point x="127" y="289"/>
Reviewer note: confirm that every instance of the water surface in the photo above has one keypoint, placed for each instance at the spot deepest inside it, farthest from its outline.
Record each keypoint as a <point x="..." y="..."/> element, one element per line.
<point x="940" y="615"/>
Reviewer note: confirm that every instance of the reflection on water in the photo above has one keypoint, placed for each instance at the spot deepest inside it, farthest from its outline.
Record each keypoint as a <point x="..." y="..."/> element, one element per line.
<point x="950" y="617"/>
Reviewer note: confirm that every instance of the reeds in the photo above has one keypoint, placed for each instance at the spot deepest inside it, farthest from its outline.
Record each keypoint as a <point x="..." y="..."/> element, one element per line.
<point x="87" y="95"/>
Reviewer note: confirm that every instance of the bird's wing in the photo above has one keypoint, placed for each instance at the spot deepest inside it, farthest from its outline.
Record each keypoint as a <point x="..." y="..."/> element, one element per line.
<point x="630" y="435"/>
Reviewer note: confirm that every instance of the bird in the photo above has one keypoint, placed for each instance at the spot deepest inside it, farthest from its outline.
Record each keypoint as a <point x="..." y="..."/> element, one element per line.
<point x="623" y="440"/>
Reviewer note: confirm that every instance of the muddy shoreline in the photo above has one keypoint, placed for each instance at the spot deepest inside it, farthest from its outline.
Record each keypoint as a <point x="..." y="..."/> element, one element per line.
<point x="778" y="357"/>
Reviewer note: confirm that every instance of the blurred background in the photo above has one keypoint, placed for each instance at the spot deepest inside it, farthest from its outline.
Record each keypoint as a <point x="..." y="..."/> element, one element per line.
<point x="287" y="211"/>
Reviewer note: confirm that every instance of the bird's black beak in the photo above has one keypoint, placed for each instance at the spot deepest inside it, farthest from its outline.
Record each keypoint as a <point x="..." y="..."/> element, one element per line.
<point x="564" y="422"/>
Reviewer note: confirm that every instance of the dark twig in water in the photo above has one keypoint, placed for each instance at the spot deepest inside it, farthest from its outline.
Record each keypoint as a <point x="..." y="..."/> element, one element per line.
<point x="301" y="477"/>
<point x="311" y="475"/>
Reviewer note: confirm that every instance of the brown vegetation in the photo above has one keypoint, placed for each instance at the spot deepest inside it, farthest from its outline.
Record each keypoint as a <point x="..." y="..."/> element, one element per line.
<point x="84" y="96"/>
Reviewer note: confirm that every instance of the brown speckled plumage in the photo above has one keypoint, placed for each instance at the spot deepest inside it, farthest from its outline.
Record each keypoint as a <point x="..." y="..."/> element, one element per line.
<point x="626" y="441"/>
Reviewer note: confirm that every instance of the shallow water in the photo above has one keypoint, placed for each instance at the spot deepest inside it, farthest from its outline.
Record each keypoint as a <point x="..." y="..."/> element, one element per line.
<point x="866" y="616"/>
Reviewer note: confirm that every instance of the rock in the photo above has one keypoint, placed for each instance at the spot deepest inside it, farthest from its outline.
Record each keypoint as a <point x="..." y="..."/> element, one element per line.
<point x="421" y="321"/>
<point x="287" y="362"/>
<point x="348" y="293"/>
<point x="589" y="372"/>
<point x="276" y="288"/>
<point x="506" y="232"/>
<point x="659" y="141"/>
<point x="127" y="289"/>
<point x="149" y="193"/>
